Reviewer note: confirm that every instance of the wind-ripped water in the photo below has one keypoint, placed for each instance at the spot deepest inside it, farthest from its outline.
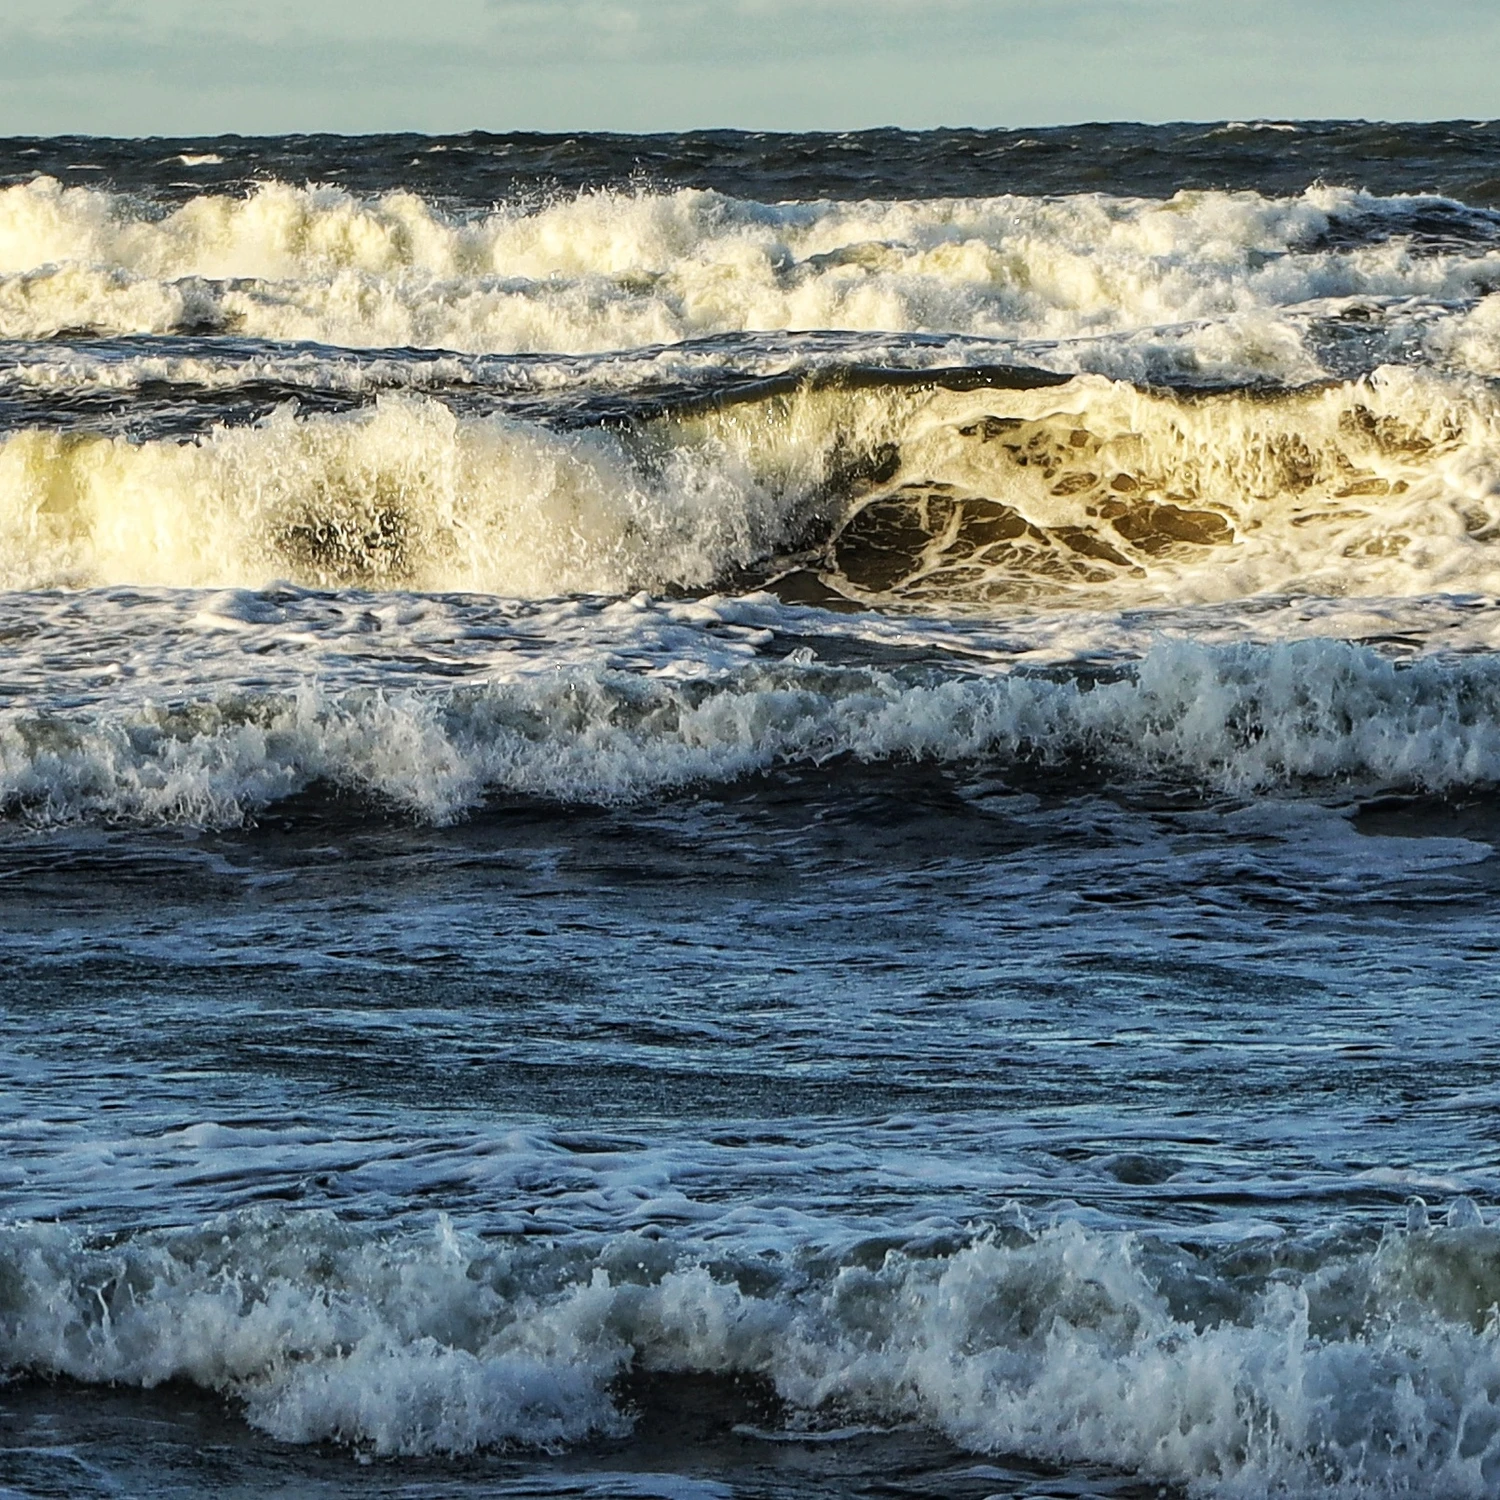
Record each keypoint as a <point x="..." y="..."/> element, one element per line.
<point x="751" y="816"/>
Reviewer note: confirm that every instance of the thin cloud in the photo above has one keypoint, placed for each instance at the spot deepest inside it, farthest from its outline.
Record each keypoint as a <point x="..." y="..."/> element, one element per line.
<point x="135" y="66"/>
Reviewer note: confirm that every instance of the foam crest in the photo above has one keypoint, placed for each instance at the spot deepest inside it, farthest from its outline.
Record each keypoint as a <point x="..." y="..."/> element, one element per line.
<point x="1365" y="1370"/>
<point x="1235" y="718"/>
<point x="326" y="1334"/>
<point x="406" y="494"/>
<point x="610" y="270"/>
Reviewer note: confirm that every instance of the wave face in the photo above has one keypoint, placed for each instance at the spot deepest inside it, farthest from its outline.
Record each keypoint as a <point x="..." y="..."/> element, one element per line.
<point x="1366" y="1369"/>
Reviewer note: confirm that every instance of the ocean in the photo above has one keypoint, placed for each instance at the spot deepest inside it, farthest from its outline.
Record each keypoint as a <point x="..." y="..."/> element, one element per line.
<point x="743" y="815"/>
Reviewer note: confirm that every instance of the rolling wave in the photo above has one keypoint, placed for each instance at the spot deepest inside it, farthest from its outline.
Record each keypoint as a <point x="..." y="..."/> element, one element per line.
<point x="1309" y="715"/>
<point x="978" y="487"/>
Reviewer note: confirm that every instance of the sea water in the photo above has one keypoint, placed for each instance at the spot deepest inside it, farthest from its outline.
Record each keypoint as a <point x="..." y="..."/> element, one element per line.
<point x="739" y="815"/>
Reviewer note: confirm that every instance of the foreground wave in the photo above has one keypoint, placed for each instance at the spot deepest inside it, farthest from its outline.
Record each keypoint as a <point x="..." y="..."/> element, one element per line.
<point x="1339" y="1365"/>
<point x="1313" y="714"/>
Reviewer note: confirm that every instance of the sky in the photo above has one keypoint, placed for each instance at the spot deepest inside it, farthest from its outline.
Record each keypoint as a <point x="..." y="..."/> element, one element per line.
<point x="164" y="67"/>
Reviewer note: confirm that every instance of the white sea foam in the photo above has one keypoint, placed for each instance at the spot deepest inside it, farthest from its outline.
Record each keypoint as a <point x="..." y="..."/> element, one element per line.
<point x="73" y="368"/>
<point x="1469" y="338"/>
<point x="608" y="270"/>
<point x="1371" y="1370"/>
<point x="1241" y="127"/>
<point x="1236" y="718"/>
<point x="184" y="645"/>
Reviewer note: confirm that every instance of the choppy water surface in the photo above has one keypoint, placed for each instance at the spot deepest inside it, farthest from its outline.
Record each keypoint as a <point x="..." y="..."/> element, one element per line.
<point x="739" y="815"/>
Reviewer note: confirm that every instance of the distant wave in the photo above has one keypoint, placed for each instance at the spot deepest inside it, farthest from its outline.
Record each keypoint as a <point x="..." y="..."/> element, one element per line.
<point x="611" y="270"/>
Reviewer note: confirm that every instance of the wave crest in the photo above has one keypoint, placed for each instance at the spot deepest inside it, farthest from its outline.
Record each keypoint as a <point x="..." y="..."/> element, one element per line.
<point x="1233" y="719"/>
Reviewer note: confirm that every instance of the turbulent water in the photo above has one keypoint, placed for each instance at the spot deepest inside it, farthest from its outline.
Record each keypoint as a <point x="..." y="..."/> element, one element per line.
<point x="741" y="815"/>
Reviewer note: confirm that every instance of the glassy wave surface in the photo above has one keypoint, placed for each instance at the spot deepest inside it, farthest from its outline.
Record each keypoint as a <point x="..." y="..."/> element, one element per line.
<point x="751" y="815"/>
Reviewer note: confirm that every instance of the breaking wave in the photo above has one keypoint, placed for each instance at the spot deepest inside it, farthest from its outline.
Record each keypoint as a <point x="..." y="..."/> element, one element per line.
<point x="980" y="486"/>
<point x="611" y="270"/>
<point x="1224" y="718"/>
<point x="1345" y="1367"/>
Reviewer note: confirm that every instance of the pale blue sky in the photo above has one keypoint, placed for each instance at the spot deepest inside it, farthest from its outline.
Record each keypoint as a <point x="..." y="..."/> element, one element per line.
<point x="197" y="66"/>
